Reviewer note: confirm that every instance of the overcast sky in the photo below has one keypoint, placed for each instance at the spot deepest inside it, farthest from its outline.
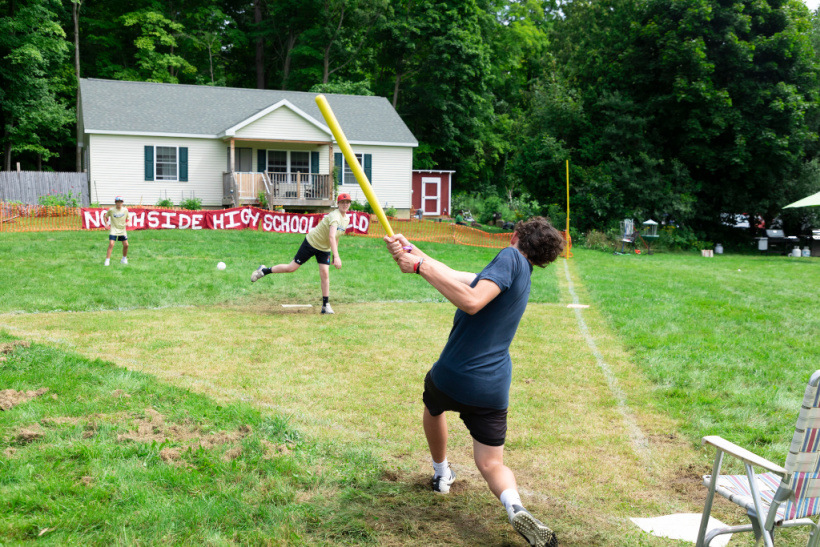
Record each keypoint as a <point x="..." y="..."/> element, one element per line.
<point x="812" y="4"/>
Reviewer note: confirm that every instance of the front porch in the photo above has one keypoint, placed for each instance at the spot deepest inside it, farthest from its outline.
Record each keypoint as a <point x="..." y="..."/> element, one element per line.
<point x="279" y="189"/>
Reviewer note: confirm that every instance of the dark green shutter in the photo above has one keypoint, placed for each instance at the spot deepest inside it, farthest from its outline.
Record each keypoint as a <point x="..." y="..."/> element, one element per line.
<point x="183" y="164"/>
<point x="314" y="163"/>
<point x="149" y="163"/>
<point x="261" y="161"/>
<point x="228" y="162"/>
<point x="338" y="167"/>
<point x="368" y="171"/>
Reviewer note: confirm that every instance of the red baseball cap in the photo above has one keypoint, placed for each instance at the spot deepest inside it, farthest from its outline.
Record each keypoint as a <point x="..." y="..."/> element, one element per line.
<point x="343" y="197"/>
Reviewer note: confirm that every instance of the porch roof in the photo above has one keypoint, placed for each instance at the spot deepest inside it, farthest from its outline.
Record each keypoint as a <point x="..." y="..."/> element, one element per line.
<point x="146" y="108"/>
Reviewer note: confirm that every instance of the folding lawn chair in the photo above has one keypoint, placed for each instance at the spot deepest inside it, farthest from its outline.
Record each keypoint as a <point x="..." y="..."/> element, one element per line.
<point x="780" y="498"/>
<point x="628" y="235"/>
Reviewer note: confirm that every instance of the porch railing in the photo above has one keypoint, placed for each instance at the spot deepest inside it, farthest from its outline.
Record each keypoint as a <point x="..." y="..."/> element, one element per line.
<point x="300" y="186"/>
<point x="279" y="188"/>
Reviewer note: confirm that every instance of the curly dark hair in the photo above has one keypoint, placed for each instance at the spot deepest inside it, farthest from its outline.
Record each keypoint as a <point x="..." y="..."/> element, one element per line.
<point x="539" y="241"/>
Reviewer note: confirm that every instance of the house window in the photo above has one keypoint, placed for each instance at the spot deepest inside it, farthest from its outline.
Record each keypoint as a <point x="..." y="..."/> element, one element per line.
<point x="349" y="177"/>
<point x="300" y="162"/>
<point x="277" y="161"/>
<point x="165" y="165"/>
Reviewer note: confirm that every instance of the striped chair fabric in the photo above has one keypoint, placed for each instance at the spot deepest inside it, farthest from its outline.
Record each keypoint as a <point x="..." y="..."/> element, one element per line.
<point x="802" y="469"/>
<point x="798" y="491"/>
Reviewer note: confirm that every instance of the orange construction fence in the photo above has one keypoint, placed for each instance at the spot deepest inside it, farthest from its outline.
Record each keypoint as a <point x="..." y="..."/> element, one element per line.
<point x="41" y="218"/>
<point x="446" y="232"/>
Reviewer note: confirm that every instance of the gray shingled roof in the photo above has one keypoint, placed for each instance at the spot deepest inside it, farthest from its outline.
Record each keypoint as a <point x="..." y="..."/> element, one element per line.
<point x="113" y="105"/>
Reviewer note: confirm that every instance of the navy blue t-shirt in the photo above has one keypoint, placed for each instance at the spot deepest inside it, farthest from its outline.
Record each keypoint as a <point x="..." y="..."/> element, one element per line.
<point x="475" y="366"/>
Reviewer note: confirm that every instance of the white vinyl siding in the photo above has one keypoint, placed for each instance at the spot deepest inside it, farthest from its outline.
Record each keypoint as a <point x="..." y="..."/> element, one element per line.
<point x="283" y="124"/>
<point x="392" y="174"/>
<point x="117" y="167"/>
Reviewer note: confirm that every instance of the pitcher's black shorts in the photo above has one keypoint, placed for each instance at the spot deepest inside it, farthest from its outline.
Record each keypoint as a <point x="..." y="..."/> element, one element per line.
<point x="486" y="425"/>
<point x="306" y="251"/>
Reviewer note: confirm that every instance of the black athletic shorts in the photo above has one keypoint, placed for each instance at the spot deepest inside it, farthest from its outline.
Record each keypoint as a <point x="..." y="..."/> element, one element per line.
<point x="306" y="251"/>
<point x="117" y="238"/>
<point x="486" y="425"/>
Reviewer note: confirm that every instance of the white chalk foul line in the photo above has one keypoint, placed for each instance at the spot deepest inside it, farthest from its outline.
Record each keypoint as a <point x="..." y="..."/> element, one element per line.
<point x="639" y="442"/>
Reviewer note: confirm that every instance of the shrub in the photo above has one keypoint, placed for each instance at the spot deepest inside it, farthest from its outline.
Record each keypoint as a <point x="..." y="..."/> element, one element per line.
<point x="390" y="211"/>
<point x="673" y="238"/>
<point x="167" y="203"/>
<point x="598" y="240"/>
<point x="60" y="200"/>
<point x="191" y="204"/>
<point x="263" y="200"/>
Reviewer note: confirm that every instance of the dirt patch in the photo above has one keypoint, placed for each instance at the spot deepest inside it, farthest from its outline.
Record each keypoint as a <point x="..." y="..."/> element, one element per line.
<point x="120" y="394"/>
<point x="687" y="481"/>
<point x="152" y="428"/>
<point x="9" y="347"/>
<point x="87" y="481"/>
<point x="169" y="455"/>
<point x="9" y="398"/>
<point x="29" y="434"/>
<point x="10" y="452"/>
<point x="232" y="454"/>
<point x="274" y="450"/>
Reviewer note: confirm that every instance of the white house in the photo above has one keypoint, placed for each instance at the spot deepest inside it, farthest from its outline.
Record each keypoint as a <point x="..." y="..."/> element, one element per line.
<point x="148" y="141"/>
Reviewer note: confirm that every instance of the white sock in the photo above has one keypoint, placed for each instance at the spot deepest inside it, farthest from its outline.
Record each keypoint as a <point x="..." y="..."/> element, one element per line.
<point x="440" y="469"/>
<point x="510" y="497"/>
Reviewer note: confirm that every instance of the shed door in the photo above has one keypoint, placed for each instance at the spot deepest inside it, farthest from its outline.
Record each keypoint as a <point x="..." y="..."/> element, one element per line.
<point x="431" y="195"/>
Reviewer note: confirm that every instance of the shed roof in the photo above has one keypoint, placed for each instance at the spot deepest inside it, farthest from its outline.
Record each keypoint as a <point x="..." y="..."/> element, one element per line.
<point x="114" y="106"/>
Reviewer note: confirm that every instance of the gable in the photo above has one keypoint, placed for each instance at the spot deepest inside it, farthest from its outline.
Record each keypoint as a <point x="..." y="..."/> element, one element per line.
<point x="283" y="123"/>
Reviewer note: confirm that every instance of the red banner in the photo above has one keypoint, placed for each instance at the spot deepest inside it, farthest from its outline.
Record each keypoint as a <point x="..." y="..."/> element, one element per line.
<point x="239" y="218"/>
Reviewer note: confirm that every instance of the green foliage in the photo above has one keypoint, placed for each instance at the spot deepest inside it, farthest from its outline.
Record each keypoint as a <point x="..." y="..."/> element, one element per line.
<point x="344" y="88"/>
<point x="165" y="202"/>
<point x="34" y="117"/>
<point x="263" y="200"/>
<point x="673" y="238"/>
<point x="191" y="204"/>
<point x="598" y="240"/>
<point x="365" y="207"/>
<point x="155" y="43"/>
<point x="390" y="211"/>
<point x="63" y="200"/>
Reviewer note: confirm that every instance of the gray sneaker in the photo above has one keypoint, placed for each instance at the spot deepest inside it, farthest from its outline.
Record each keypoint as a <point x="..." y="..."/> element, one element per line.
<point x="124" y="260"/>
<point x="533" y="530"/>
<point x="257" y="274"/>
<point x="441" y="485"/>
<point x="326" y="308"/>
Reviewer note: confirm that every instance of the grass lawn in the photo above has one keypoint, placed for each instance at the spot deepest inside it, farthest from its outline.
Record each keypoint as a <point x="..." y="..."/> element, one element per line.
<point x="335" y="453"/>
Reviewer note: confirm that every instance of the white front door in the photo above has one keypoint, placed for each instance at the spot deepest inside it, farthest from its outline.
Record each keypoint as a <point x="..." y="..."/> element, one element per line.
<point x="430" y="195"/>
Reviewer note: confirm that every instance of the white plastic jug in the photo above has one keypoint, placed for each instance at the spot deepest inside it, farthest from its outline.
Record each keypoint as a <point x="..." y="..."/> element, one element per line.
<point x="718" y="249"/>
<point x="796" y="252"/>
<point x="806" y="252"/>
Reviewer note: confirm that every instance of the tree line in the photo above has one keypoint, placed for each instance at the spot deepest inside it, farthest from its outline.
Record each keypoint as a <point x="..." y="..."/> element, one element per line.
<point x="678" y="110"/>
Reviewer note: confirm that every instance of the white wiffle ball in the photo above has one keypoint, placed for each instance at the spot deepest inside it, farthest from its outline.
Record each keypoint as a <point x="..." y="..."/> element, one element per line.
<point x="221" y="266"/>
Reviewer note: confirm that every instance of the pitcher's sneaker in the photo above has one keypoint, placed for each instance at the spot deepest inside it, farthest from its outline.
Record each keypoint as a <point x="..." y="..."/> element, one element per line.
<point x="107" y="261"/>
<point x="124" y="260"/>
<point x="257" y="274"/>
<point x="533" y="530"/>
<point x="326" y="308"/>
<point x="441" y="485"/>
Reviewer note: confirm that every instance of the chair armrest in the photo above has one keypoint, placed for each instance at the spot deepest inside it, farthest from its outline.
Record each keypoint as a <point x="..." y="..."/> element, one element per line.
<point x="742" y="454"/>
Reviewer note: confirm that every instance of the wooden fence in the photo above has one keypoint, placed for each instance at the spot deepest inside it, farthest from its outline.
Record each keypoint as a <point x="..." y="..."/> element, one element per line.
<point x="28" y="186"/>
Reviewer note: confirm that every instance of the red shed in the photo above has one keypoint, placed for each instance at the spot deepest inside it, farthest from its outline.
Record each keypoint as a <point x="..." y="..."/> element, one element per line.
<point x="431" y="192"/>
